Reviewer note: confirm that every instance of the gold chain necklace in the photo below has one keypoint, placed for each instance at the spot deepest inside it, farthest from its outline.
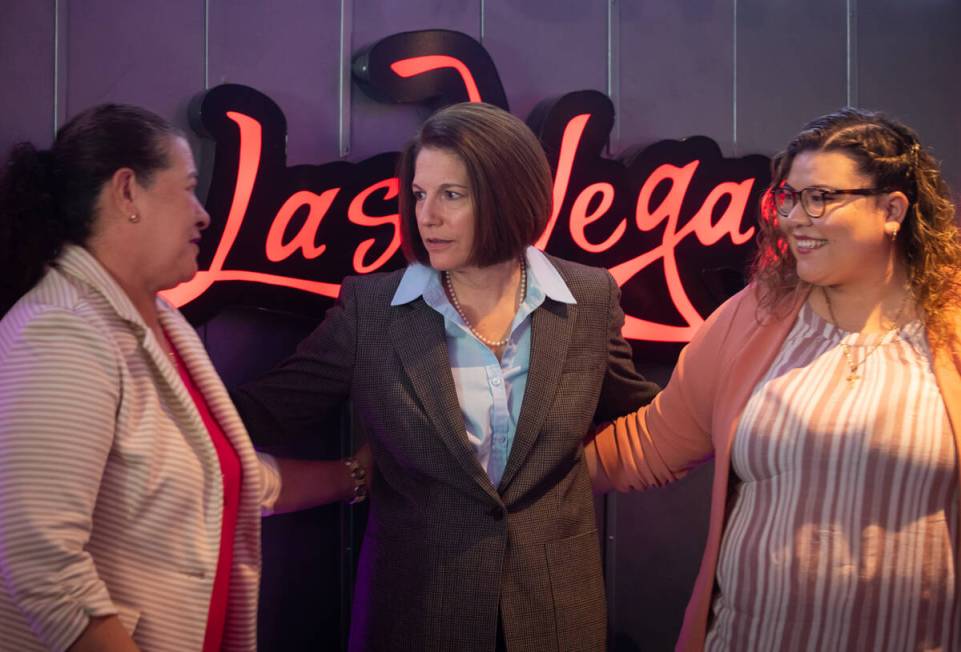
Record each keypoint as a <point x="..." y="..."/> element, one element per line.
<point x="846" y="350"/>
<point x="522" y="294"/>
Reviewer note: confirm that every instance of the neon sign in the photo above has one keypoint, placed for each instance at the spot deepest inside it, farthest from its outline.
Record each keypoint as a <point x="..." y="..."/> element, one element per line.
<point x="672" y="222"/>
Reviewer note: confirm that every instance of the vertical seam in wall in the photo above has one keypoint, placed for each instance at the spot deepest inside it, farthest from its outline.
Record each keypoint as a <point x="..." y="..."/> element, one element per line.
<point x="610" y="560"/>
<point x="610" y="501"/>
<point x="483" y="22"/>
<point x="851" y="54"/>
<point x="206" y="44"/>
<point x="343" y="93"/>
<point x="56" y="66"/>
<point x="734" y="83"/>
<point x="613" y="73"/>
<point x="613" y="143"/>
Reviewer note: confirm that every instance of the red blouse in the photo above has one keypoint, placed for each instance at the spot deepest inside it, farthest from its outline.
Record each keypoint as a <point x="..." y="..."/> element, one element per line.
<point x="232" y="474"/>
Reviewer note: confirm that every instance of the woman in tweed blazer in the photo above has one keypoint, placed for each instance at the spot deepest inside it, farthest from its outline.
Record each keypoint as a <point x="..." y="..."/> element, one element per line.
<point x="130" y="496"/>
<point x="476" y="373"/>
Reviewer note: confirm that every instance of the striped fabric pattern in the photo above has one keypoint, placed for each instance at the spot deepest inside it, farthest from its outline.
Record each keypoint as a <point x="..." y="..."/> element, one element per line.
<point x="844" y="528"/>
<point x="110" y="490"/>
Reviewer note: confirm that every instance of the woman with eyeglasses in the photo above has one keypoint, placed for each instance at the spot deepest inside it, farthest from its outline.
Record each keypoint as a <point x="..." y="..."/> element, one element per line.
<point x="829" y="394"/>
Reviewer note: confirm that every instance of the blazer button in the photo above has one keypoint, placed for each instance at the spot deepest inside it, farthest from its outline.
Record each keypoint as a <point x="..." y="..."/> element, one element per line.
<point x="496" y="513"/>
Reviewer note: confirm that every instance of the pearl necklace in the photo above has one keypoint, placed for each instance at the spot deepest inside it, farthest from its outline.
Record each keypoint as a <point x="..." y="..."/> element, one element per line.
<point x="846" y="350"/>
<point x="522" y="294"/>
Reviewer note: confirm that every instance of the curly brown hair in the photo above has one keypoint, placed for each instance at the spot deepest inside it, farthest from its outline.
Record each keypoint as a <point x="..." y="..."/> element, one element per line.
<point x="929" y="241"/>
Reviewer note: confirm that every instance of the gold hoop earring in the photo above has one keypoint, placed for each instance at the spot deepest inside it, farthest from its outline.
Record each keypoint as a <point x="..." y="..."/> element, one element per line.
<point x="134" y="218"/>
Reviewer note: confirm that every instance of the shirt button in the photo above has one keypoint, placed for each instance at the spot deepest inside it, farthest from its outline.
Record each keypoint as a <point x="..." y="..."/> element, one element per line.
<point x="495" y="382"/>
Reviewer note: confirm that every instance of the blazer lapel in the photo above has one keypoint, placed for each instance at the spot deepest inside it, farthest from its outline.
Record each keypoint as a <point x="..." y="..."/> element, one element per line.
<point x="81" y="264"/>
<point x="747" y="367"/>
<point x="552" y="325"/>
<point x="171" y="387"/>
<point x="417" y="334"/>
<point x="205" y="377"/>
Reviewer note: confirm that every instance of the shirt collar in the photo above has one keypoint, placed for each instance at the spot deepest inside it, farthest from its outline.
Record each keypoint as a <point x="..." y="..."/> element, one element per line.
<point x="542" y="277"/>
<point x="79" y="263"/>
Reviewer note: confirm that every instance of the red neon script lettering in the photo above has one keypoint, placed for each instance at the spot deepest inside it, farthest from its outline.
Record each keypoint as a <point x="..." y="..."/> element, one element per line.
<point x="356" y="214"/>
<point x="277" y="249"/>
<point x="593" y="202"/>
<point x="580" y="218"/>
<point x="647" y="219"/>
<point x="419" y="65"/>
<point x="248" y="164"/>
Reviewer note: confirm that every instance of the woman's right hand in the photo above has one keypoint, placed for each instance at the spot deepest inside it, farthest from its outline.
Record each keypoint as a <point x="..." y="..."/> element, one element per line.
<point x="309" y="483"/>
<point x="104" y="634"/>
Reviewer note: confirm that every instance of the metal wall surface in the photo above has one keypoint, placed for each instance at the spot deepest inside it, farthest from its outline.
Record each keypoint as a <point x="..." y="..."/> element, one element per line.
<point x="675" y="63"/>
<point x="137" y="52"/>
<point x="254" y="43"/>
<point x="27" y="56"/>
<point x="747" y="73"/>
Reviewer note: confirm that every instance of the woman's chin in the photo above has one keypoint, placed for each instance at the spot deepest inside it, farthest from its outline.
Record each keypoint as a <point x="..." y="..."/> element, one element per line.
<point x="184" y="276"/>
<point x="444" y="263"/>
<point x="811" y="274"/>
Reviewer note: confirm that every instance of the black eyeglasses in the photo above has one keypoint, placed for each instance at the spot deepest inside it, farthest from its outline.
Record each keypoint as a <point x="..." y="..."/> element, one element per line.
<point x="813" y="200"/>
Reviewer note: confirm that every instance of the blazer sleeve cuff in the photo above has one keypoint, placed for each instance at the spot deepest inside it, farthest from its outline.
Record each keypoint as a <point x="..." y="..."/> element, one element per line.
<point x="59" y="621"/>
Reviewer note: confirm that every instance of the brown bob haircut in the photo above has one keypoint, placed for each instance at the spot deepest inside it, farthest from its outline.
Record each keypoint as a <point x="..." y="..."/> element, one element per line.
<point x="510" y="180"/>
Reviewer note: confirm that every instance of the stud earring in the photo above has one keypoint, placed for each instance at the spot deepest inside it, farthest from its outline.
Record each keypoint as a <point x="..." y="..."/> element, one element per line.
<point x="134" y="218"/>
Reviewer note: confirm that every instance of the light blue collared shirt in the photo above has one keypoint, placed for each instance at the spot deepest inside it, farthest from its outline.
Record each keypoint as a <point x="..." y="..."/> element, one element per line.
<point x="489" y="391"/>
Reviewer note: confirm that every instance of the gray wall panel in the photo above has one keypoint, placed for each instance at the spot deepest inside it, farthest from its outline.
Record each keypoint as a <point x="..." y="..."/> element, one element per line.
<point x="288" y="50"/>
<point x="676" y="71"/>
<point x="26" y="73"/>
<point x="546" y="49"/>
<point x="138" y="51"/>
<point x="376" y="127"/>
<point x="658" y="538"/>
<point x="790" y="68"/>
<point x="909" y="66"/>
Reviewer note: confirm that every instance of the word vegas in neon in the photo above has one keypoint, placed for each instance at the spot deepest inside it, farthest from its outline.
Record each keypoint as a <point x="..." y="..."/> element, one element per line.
<point x="674" y="222"/>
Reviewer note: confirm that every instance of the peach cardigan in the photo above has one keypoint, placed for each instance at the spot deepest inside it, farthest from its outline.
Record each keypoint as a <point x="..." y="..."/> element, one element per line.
<point x="697" y="414"/>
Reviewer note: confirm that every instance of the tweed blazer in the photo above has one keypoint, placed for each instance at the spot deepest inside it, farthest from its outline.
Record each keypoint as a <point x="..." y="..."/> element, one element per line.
<point x="445" y="550"/>
<point x="697" y="415"/>
<point x="111" y="494"/>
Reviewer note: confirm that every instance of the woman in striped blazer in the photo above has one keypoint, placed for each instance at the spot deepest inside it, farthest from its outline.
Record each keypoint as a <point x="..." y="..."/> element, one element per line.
<point x="829" y="393"/>
<point x="130" y="495"/>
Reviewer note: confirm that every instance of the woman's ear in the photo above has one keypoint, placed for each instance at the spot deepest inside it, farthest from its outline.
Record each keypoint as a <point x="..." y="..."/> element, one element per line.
<point x="896" y="207"/>
<point x="121" y="192"/>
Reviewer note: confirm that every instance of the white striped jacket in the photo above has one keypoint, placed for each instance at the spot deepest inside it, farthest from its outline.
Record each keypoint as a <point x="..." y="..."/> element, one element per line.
<point x="111" y="496"/>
